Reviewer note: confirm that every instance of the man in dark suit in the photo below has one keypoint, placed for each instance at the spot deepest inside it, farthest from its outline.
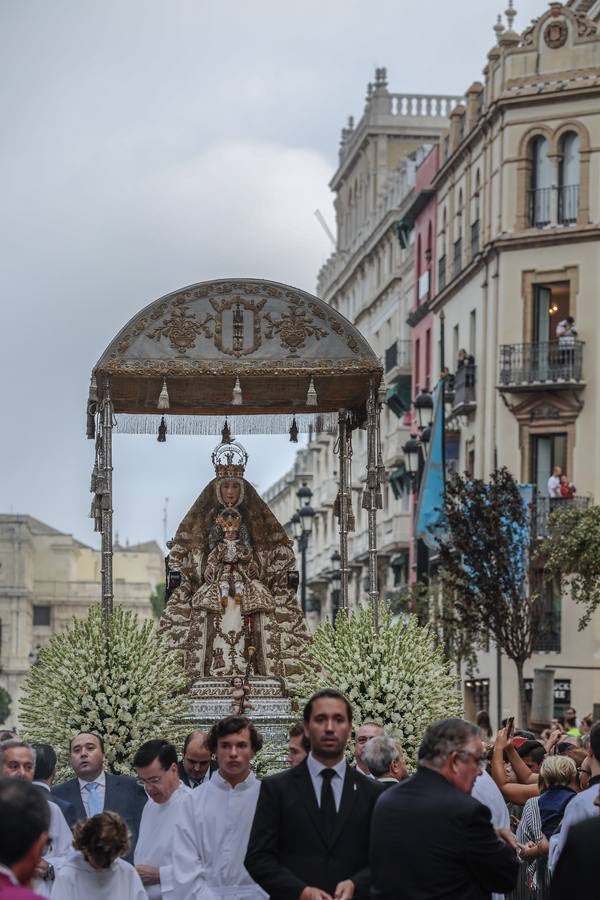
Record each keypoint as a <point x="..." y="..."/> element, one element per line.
<point x="310" y="836"/>
<point x="576" y="870"/>
<point x="430" y="838"/>
<point x="94" y="790"/>
<point x="43" y="776"/>
<point x="196" y="766"/>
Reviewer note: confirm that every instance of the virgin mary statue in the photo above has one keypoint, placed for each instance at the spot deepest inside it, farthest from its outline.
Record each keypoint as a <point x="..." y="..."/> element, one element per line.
<point x="232" y="609"/>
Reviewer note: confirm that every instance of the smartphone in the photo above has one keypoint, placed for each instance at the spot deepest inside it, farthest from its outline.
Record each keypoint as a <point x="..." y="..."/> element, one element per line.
<point x="510" y="726"/>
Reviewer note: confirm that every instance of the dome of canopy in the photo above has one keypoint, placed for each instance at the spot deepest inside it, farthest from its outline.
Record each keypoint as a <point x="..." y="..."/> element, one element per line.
<point x="273" y="337"/>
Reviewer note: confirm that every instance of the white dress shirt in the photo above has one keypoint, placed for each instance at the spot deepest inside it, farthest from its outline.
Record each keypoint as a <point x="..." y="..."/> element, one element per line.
<point x="337" y="782"/>
<point x="85" y="794"/>
<point x="211" y="839"/>
<point x="155" y="840"/>
<point x="59" y="846"/>
<point x="487" y="792"/>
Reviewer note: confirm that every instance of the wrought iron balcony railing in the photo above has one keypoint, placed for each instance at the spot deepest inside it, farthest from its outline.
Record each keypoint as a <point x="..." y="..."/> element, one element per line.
<point x="398" y="355"/>
<point x="540" y="207"/>
<point x="464" y="390"/>
<point x="474" y="239"/>
<point x="543" y="507"/>
<point x="568" y="204"/>
<point x="547" y="362"/>
<point x="441" y="273"/>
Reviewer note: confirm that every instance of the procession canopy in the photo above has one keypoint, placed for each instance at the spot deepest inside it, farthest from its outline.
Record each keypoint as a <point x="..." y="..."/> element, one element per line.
<point x="257" y="351"/>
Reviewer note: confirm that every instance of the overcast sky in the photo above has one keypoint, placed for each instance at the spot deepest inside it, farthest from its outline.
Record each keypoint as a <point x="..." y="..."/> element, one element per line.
<point x="149" y="145"/>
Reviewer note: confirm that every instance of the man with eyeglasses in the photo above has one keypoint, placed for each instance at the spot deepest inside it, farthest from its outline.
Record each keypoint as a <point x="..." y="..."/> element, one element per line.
<point x="156" y="766"/>
<point x="429" y="837"/>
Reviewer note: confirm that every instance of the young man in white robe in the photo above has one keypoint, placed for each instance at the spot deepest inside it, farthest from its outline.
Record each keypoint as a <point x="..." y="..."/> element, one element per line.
<point x="211" y="837"/>
<point x="156" y="766"/>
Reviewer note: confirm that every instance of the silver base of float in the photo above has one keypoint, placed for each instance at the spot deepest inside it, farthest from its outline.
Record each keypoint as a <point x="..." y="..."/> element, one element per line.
<point x="210" y="700"/>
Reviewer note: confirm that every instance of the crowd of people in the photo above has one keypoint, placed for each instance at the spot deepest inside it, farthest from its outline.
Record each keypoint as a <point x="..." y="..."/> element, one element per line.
<point x="483" y="815"/>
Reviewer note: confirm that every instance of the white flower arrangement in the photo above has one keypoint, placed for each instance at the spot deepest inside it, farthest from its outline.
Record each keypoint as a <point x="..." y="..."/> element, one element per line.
<point x="398" y="676"/>
<point x="128" y="690"/>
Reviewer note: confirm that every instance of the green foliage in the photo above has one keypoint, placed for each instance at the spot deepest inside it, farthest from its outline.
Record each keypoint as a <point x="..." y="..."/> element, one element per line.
<point x="157" y="600"/>
<point x="269" y="759"/>
<point x="5" y="704"/>
<point x="128" y="690"/>
<point x="397" y="676"/>
<point x="573" y="549"/>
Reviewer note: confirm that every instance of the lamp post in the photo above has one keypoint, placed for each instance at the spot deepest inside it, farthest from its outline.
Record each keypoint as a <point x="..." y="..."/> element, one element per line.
<point x="336" y="581"/>
<point x="302" y="522"/>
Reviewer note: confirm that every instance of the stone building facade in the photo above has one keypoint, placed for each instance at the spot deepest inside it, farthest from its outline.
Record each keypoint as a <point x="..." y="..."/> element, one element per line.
<point x="369" y="279"/>
<point x="47" y="577"/>
<point x="518" y="196"/>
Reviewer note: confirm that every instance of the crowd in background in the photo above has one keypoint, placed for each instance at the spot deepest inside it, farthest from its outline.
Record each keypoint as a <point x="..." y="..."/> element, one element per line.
<point x="484" y="815"/>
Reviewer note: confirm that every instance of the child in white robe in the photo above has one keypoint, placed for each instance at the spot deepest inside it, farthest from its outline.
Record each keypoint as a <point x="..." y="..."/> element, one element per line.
<point x="94" y="870"/>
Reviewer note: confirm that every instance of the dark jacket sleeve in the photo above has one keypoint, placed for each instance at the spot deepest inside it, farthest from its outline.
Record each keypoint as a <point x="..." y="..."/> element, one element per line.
<point x="262" y="858"/>
<point x="492" y="863"/>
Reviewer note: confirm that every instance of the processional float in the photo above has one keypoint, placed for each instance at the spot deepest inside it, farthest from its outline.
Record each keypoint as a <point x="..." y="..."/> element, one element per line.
<point x="225" y="357"/>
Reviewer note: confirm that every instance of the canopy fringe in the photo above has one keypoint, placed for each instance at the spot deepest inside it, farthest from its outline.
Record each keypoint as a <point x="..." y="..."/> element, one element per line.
<point x="127" y="423"/>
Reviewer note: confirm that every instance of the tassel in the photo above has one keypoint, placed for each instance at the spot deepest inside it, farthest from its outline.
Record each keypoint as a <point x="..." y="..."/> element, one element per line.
<point x="94" y="479"/>
<point x="294" y="431"/>
<point x="163" y="397"/>
<point x="92" y="408"/>
<point x="311" y="394"/>
<point x="93" y="394"/>
<point x="236" y="399"/>
<point x="90" y="429"/>
<point x="226" y="433"/>
<point x="351" y="523"/>
<point x="162" y="431"/>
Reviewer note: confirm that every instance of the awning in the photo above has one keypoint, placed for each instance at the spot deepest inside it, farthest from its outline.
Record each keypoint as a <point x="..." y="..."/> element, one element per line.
<point x="400" y="481"/>
<point x="398" y="396"/>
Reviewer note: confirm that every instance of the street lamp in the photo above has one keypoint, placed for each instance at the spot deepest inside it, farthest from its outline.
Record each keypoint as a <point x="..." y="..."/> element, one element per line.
<point x="336" y="582"/>
<point x="424" y="406"/>
<point x="302" y="522"/>
<point x="411" y="451"/>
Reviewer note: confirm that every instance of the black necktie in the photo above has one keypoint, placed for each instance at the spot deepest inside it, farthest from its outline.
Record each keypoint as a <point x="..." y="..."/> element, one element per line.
<point x="328" y="810"/>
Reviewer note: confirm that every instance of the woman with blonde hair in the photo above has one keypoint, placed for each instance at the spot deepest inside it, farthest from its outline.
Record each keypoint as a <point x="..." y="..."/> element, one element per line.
<point x="94" y="869"/>
<point x="542" y="817"/>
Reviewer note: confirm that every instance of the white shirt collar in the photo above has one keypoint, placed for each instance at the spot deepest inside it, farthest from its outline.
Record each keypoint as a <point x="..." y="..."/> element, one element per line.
<point x="315" y="767"/>
<point x="43" y="784"/>
<point x="101" y="780"/>
<point x="220" y="782"/>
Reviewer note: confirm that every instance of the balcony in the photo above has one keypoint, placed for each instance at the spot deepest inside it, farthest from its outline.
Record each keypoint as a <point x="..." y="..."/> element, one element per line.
<point x="539" y="366"/>
<point x="464" y="403"/>
<point x="568" y="204"/>
<point x="397" y="360"/>
<point x="540" y="207"/>
<point x="543" y="507"/>
<point x="441" y="273"/>
<point x="474" y="239"/>
<point x="457" y="262"/>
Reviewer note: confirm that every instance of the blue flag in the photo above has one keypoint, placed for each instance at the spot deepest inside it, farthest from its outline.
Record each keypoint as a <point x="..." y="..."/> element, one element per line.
<point x="429" y="514"/>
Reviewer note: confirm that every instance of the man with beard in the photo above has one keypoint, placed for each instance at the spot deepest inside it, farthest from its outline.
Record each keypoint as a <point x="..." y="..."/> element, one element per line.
<point x="310" y="837"/>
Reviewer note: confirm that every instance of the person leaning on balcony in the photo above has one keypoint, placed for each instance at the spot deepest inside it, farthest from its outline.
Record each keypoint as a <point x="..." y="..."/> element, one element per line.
<point x="554" y="482"/>
<point x="566" y="334"/>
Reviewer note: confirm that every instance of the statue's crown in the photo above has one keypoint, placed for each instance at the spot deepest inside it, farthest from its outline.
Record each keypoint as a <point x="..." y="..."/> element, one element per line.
<point x="229" y="460"/>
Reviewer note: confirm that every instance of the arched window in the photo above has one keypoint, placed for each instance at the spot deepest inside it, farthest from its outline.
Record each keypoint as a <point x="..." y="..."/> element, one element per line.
<point x="475" y="216"/>
<point x="457" y="257"/>
<point x="540" y="192"/>
<point x="442" y="256"/>
<point x="568" y="179"/>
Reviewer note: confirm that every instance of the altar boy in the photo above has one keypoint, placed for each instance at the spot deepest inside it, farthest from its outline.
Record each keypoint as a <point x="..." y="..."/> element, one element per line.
<point x="158" y="773"/>
<point x="211" y="835"/>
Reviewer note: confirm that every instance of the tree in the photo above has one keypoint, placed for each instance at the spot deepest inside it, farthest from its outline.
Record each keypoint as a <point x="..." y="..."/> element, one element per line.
<point x="157" y="599"/>
<point x="484" y="559"/>
<point x="129" y="689"/>
<point x="5" y="705"/>
<point x="573" y="549"/>
<point x="397" y="675"/>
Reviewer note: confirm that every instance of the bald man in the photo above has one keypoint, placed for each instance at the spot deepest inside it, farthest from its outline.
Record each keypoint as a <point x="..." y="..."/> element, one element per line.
<point x="196" y="766"/>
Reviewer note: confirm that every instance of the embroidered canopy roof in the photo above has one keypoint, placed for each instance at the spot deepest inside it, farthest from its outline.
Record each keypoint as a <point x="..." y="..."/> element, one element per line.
<point x="272" y="337"/>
